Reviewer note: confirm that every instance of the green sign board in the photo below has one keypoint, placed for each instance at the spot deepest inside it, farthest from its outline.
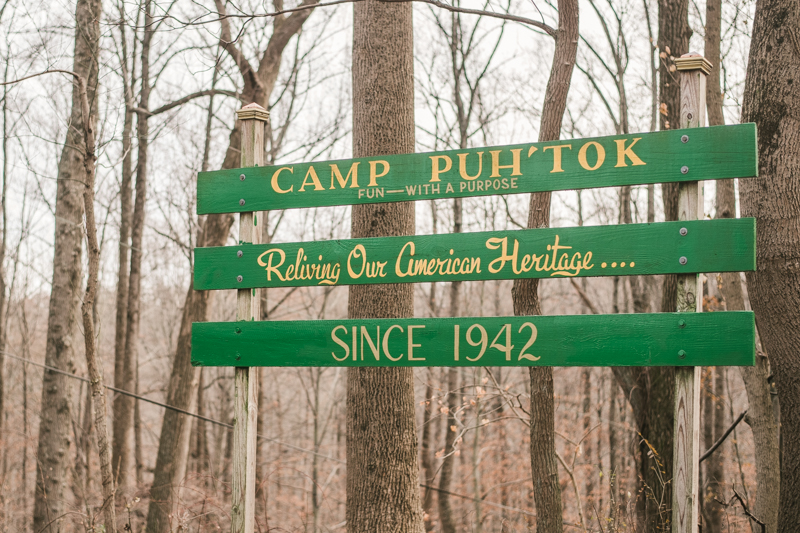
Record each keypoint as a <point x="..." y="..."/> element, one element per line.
<point x="659" y="339"/>
<point x="671" y="156"/>
<point x="633" y="249"/>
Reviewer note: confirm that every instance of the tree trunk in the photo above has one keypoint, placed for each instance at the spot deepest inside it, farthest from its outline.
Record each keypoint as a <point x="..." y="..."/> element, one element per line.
<point x="173" y="446"/>
<point x="428" y="471"/>
<point x="525" y="292"/>
<point x="124" y="416"/>
<point x="714" y="414"/>
<point x="93" y="366"/>
<point x="673" y="41"/>
<point x="382" y="470"/>
<point x="770" y="100"/>
<point x="120" y="401"/>
<point x="448" y="464"/>
<point x="56" y="416"/>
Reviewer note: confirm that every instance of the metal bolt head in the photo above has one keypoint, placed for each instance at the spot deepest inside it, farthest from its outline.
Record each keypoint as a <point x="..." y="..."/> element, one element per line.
<point x="684" y="170"/>
<point x="682" y="354"/>
<point x="238" y="330"/>
<point x="682" y="261"/>
<point x="239" y="278"/>
<point x="684" y="231"/>
<point x="241" y="176"/>
<point x="681" y="323"/>
<point x="239" y="253"/>
<point x="684" y="140"/>
<point x="241" y="202"/>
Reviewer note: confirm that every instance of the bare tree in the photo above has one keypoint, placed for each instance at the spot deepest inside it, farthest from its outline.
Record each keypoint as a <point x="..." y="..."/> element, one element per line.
<point x="56" y="414"/>
<point x="770" y="101"/>
<point x="382" y="469"/>
<point x="546" y="489"/>
<point x="258" y="84"/>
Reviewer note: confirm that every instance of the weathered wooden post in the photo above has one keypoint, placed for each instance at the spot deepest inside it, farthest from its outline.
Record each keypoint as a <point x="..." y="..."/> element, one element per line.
<point x="693" y="70"/>
<point x="253" y="118"/>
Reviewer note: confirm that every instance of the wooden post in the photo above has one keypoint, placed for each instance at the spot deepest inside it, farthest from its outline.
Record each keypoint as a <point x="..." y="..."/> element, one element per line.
<point x="693" y="70"/>
<point x="253" y="118"/>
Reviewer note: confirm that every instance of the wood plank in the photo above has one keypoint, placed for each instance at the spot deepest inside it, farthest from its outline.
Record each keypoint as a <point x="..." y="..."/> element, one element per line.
<point x="710" y="153"/>
<point x="686" y="446"/>
<point x="243" y="498"/>
<point x="658" y="339"/>
<point x="634" y="249"/>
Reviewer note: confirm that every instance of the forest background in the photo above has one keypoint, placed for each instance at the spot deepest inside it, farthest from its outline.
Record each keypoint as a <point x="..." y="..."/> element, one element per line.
<point x="169" y="77"/>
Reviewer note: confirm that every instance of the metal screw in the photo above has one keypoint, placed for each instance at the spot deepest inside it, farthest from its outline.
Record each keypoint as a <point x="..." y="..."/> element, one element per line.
<point x="684" y="140"/>
<point x="241" y="176"/>
<point x="238" y="330"/>
<point x="239" y="278"/>
<point x="239" y="253"/>
<point x="682" y="261"/>
<point x="682" y="354"/>
<point x="682" y="323"/>
<point x="684" y="170"/>
<point x="684" y="231"/>
<point x="241" y="202"/>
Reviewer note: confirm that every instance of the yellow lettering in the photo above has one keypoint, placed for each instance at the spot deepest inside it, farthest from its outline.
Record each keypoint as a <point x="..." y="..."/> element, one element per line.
<point x="557" y="156"/>
<point x="357" y="252"/>
<point x="375" y="347"/>
<point x="275" y="186"/>
<point x="386" y="343"/>
<point x="514" y="166"/>
<point x="397" y="269"/>
<point x="314" y="180"/>
<point x="411" y="344"/>
<point x="623" y="152"/>
<point x="435" y="170"/>
<point x="270" y="269"/>
<point x="601" y="155"/>
<point x="340" y="342"/>
<point x="373" y="172"/>
<point x="335" y="173"/>
<point x="462" y="166"/>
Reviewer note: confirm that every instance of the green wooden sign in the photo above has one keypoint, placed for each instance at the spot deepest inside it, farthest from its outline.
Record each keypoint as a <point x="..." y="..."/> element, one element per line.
<point x="659" y="339"/>
<point x="726" y="245"/>
<point x="670" y="156"/>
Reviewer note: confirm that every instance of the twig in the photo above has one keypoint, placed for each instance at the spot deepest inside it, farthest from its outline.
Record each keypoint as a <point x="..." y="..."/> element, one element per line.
<point x="585" y="297"/>
<point x="724" y="436"/>
<point x="737" y="496"/>
<point x="504" y="16"/>
<point x="575" y="488"/>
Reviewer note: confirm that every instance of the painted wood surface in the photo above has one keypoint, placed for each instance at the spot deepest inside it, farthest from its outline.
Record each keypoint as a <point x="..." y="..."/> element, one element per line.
<point x="658" y="339"/>
<point x="707" y="154"/>
<point x="633" y="249"/>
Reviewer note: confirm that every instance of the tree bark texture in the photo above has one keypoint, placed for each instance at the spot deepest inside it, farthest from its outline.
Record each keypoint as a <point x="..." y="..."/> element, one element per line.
<point x="123" y="420"/>
<point x="673" y="41"/>
<point x="525" y="292"/>
<point x="770" y="100"/>
<point x="173" y="447"/>
<point x="448" y="464"/>
<point x="714" y="414"/>
<point x="126" y="208"/>
<point x="88" y="312"/>
<point x="56" y="417"/>
<point x="426" y="453"/>
<point x="382" y="470"/>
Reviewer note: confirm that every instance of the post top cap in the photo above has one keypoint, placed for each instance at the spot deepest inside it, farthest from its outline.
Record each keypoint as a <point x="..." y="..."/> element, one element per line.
<point x="253" y="111"/>
<point x="693" y="61"/>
